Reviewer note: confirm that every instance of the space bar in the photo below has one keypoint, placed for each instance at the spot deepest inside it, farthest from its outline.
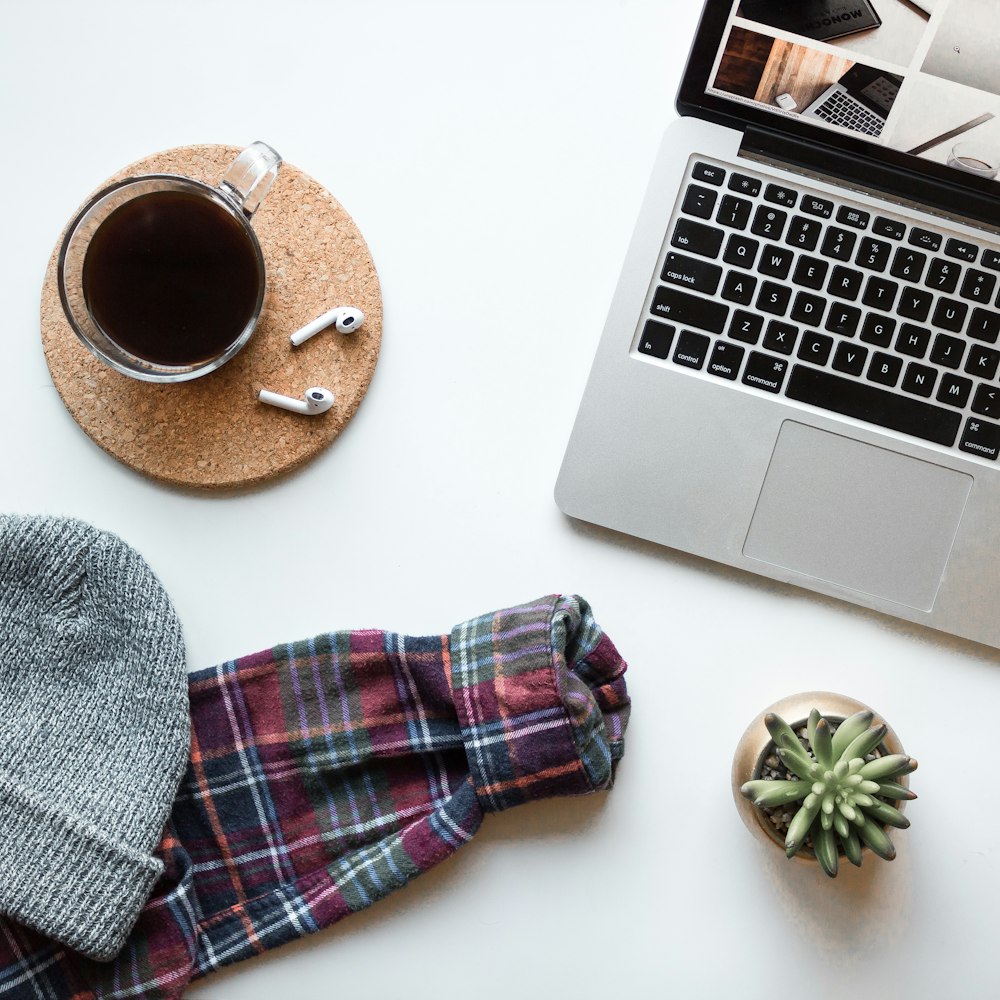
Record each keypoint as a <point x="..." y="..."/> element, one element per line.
<point x="865" y="402"/>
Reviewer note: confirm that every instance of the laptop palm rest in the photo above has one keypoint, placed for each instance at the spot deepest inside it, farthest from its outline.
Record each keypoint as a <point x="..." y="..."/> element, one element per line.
<point x="857" y="516"/>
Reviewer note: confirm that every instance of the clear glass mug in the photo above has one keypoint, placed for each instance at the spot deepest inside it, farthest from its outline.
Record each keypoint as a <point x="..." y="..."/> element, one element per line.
<point x="161" y="276"/>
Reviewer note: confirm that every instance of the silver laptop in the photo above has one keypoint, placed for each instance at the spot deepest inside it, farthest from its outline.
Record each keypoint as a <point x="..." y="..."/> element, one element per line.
<point x="799" y="371"/>
<point x="858" y="102"/>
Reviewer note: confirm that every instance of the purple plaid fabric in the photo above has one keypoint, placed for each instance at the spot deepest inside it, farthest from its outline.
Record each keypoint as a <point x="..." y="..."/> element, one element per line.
<point x="326" y="773"/>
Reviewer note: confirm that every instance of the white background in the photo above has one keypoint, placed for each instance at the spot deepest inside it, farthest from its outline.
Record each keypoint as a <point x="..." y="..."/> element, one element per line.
<point x="494" y="155"/>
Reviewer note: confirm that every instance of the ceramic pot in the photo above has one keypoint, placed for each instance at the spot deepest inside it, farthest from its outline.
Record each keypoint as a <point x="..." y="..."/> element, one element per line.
<point x="756" y="741"/>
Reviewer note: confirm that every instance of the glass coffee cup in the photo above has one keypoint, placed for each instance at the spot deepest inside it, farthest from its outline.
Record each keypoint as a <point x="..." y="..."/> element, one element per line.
<point x="161" y="276"/>
<point x="973" y="158"/>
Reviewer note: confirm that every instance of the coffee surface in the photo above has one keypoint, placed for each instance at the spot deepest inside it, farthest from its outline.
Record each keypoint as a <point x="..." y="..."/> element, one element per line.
<point x="171" y="277"/>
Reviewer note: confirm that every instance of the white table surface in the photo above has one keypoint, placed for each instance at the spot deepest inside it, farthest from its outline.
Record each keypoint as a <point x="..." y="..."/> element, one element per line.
<point x="494" y="154"/>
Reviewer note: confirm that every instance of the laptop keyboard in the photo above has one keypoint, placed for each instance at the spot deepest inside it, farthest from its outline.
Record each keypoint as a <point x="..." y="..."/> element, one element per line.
<point x="843" y="110"/>
<point x="788" y="292"/>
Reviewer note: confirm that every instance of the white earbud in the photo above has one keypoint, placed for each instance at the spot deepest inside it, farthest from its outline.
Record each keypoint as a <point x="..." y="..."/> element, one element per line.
<point x="347" y="319"/>
<point x="315" y="400"/>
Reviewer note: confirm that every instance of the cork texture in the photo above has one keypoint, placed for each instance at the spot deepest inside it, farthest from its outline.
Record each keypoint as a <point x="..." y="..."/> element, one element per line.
<point x="211" y="432"/>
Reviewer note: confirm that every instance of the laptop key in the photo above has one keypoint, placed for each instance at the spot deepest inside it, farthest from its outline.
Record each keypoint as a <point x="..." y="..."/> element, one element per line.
<point x="746" y="327"/>
<point x="978" y="285"/>
<point x="919" y="379"/>
<point x="915" y="303"/>
<point x="981" y="438"/>
<point x="947" y="351"/>
<point x="815" y="347"/>
<point x="725" y="360"/>
<point x="689" y="310"/>
<point x="780" y="337"/>
<point x="708" y="173"/>
<point x="739" y="287"/>
<point x="808" y="309"/>
<point x="845" y="283"/>
<point x="817" y="206"/>
<point x="950" y="314"/>
<point x="775" y="261"/>
<point x="954" y="390"/>
<point x="982" y="361"/>
<point x="873" y="254"/>
<point x="656" y="339"/>
<point x="908" y="265"/>
<point x="804" y="233"/>
<point x="691" y="273"/>
<point x="943" y="275"/>
<point x="765" y="371"/>
<point x="697" y="238"/>
<point x="913" y="340"/>
<point x="878" y="330"/>
<point x="699" y="201"/>
<point x="873" y="404"/>
<point x="991" y="259"/>
<point x="880" y="293"/>
<point x="774" y="298"/>
<point x="838" y="243"/>
<point x="810" y="271"/>
<point x="884" y="369"/>
<point x="768" y="222"/>
<point x="962" y="250"/>
<point x="777" y="194"/>
<point x="986" y="401"/>
<point x="924" y="239"/>
<point x="742" y="184"/>
<point x="734" y="212"/>
<point x="692" y="349"/>
<point x="843" y="320"/>
<point x="853" y="217"/>
<point x="741" y="251"/>
<point x="984" y="325"/>
<point x="888" y="227"/>
<point x="850" y="359"/>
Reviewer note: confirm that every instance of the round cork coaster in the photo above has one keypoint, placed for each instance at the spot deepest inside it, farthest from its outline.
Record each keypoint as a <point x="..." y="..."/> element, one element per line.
<point x="212" y="432"/>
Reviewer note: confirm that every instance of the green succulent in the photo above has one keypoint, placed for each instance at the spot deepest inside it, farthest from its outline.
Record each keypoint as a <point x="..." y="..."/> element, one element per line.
<point x="842" y="794"/>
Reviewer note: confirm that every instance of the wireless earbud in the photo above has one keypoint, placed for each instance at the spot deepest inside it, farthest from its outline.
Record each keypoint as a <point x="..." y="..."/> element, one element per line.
<point x="347" y="319"/>
<point x="315" y="400"/>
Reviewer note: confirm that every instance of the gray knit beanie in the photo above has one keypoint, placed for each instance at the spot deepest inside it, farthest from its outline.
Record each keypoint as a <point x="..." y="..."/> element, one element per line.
<point x="94" y="730"/>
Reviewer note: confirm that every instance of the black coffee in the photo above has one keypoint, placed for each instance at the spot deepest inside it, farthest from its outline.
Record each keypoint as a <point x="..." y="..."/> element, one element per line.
<point x="171" y="277"/>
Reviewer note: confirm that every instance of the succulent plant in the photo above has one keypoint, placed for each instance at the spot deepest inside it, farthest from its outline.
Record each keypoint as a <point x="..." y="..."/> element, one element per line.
<point x="842" y="791"/>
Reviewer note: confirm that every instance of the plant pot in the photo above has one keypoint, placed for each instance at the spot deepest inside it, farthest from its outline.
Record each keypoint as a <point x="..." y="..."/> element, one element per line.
<point x="756" y="742"/>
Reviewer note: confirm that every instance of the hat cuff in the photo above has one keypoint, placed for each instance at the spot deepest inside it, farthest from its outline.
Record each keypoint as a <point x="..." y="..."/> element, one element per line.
<point x="61" y="876"/>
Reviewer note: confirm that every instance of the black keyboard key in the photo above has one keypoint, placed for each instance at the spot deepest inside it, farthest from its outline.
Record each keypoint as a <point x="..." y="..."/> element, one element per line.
<point x="978" y="285"/>
<point x="843" y="320"/>
<point x="868" y="402"/>
<point x="873" y="254"/>
<point x="845" y="283"/>
<point x="954" y="390"/>
<point x="768" y="222"/>
<point x="803" y="233"/>
<point x="889" y="228"/>
<point x="924" y="239"/>
<point x="815" y="347"/>
<point x="991" y="259"/>
<point x="746" y="326"/>
<point x="725" y="360"/>
<point x="810" y="271"/>
<point x="949" y="314"/>
<point x="908" y="265"/>
<point x="699" y="201"/>
<point x="947" y="351"/>
<point x="691" y="273"/>
<point x="774" y="298"/>
<point x="688" y="310"/>
<point x="741" y="251"/>
<point x="739" y="288"/>
<point x="852" y="217"/>
<point x="778" y="194"/>
<point x="962" y="250"/>
<point x="656" y="339"/>
<point x="981" y="438"/>
<point x="775" y="261"/>
<point x="850" y="359"/>
<point x="764" y="371"/>
<point x="697" y="238"/>
<point x="915" y="303"/>
<point x="884" y="369"/>
<point x="838" y="243"/>
<point x="919" y="380"/>
<point x="943" y="275"/>
<point x="913" y="341"/>
<point x="708" y="173"/>
<point x="817" y="206"/>
<point x="734" y="212"/>
<point x="984" y="325"/>
<point x="780" y="337"/>
<point x="808" y="309"/>
<point x="982" y="361"/>
<point x="880" y="294"/>
<point x="742" y="184"/>
<point x="692" y="349"/>
<point x="878" y="330"/>
<point x="986" y="401"/>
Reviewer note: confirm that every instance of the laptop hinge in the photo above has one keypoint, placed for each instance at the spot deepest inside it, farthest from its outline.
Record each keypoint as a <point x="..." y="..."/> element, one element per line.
<point x="905" y="187"/>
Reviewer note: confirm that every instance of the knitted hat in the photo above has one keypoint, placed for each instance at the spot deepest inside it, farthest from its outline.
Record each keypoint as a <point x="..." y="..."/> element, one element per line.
<point x="94" y="730"/>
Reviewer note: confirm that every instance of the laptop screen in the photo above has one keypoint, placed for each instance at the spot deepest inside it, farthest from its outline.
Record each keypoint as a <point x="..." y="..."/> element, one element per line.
<point x="917" y="78"/>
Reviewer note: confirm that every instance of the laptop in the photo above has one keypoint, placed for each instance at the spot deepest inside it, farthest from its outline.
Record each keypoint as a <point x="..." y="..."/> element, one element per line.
<point x="798" y="375"/>
<point x="859" y="101"/>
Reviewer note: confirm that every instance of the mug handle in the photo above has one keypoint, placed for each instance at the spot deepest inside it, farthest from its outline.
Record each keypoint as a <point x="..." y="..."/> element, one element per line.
<point x="250" y="177"/>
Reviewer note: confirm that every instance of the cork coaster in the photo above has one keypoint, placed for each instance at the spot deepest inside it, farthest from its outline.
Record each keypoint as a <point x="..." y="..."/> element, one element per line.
<point x="212" y="432"/>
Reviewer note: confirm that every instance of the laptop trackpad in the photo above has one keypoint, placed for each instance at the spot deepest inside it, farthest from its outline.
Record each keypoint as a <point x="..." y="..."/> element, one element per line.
<point x="857" y="516"/>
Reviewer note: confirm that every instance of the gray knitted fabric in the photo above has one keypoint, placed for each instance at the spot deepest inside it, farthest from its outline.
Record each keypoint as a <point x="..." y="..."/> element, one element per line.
<point x="94" y="730"/>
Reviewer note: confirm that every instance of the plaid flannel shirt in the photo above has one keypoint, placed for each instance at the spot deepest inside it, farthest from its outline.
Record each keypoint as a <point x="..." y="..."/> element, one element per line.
<point x="326" y="773"/>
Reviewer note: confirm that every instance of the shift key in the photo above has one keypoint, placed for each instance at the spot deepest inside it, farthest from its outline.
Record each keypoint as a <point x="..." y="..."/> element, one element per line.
<point x="689" y="310"/>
